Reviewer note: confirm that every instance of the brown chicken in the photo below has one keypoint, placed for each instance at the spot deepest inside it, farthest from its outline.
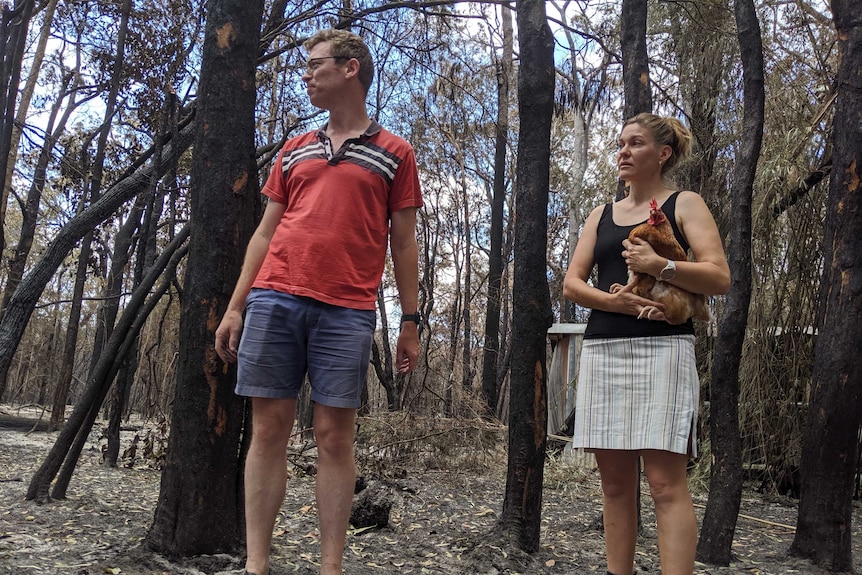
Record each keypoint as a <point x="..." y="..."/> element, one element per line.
<point x="679" y="304"/>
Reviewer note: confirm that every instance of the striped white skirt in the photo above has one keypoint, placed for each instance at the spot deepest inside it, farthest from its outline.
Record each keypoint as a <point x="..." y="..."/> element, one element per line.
<point x="638" y="393"/>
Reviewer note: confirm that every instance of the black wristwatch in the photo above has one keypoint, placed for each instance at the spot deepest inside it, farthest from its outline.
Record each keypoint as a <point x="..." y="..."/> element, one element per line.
<point x="414" y="317"/>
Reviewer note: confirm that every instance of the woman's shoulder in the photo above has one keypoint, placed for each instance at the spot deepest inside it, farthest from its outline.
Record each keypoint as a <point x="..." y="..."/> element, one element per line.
<point x="688" y="196"/>
<point x="601" y="208"/>
<point x="687" y="200"/>
<point x="692" y="213"/>
<point x="595" y="219"/>
<point x="598" y="211"/>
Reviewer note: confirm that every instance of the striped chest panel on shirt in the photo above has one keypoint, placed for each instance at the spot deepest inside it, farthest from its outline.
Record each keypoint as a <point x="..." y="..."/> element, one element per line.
<point x="360" y="152"/>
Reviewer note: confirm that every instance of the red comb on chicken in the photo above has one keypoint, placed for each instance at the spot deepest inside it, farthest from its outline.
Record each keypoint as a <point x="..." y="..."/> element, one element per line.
<point x="679" y="304"/>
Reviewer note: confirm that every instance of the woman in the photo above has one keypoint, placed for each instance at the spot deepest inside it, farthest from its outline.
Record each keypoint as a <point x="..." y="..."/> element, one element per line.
<point x="638" y="387"/>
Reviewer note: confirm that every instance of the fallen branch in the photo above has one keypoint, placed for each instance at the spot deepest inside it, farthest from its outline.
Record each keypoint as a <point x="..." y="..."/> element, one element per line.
<point x="759" y="520"/>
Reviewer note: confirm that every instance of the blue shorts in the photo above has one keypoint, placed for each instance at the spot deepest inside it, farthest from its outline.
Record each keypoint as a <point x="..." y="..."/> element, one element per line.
<point x="286" y="337"/>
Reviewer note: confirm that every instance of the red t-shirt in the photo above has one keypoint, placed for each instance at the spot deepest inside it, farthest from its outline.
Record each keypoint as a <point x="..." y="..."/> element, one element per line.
<point x="331" y="242"/>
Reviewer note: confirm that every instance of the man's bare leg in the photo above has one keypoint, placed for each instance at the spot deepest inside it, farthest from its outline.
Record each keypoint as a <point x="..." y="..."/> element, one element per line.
<point x="334" y="429"/>
<point x="265" y="476"/>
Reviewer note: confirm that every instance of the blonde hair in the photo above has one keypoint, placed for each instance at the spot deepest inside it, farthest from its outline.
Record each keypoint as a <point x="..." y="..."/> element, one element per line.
<point x="666" y="131"/>
<point x="344" y="44"/>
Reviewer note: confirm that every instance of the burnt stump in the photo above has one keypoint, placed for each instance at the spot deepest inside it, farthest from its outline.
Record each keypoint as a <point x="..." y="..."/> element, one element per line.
<point x="371" y="506"/>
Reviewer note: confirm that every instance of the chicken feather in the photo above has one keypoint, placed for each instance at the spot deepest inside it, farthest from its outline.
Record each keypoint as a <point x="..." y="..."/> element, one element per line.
<point x="679" y="304"/>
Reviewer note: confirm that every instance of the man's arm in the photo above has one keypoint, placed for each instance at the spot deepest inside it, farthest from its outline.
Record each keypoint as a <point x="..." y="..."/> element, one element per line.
<point x="230" y="328"/>
<point x="405" y="260"/>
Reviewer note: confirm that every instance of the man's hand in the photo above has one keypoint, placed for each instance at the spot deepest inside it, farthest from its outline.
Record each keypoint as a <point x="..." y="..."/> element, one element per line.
<point x="227" y="336"/>
<point x="407" y="350"/>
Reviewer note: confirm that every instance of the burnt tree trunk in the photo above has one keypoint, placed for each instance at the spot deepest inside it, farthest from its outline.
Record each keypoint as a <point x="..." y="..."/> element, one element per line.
<point x="118" y="349"/>
<point x="71" y="437"/>
<point x="98" y="168"/>
<point x="200" y="502"/>
<point x="829" y="448"/>
<point x="149" y="206"/>
<point x="638" y="92"/>
<point x="382" y="362"/>
<point x="95" y="190"/>
<point x="466" y="320"/>
<point x="491" y="352"/>
<point x="23" y="301"/>
<point x="636" y="84"/>
<point x="36" y="57"/>
<point x="14" y="25"/>
<point x="30" y="207"/>
<point x="522" y="506"/>
<point x="725" y="486"/>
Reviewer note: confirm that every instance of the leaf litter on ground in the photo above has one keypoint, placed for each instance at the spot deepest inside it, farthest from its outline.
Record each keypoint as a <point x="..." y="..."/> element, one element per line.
<point x="447" y="499"/>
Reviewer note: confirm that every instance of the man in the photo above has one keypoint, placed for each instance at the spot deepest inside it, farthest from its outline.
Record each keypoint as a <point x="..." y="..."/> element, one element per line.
<point x="308" y="287"/>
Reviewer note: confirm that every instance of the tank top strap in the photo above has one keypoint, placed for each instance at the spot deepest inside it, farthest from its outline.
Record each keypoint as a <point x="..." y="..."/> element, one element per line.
<point x="669" y="209"/>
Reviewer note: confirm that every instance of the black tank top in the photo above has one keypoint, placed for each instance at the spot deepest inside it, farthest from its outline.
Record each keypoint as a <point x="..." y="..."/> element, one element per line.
<point x="612" y="269"/>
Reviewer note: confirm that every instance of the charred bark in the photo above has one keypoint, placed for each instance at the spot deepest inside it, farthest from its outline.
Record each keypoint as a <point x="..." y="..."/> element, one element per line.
<point x="790" y="199"/>
<point x="636" y="83"/>
<point x="14" y="25"/>
<point x="491" y="352"/>
<point x="73" y="433"/>
<point x="520" y="520"/>
<point x="200" y="502"/>
<point x="829" y="448"/>
<point x="149" y="205"/>
<point x="23" y="301"/>
<point x="725" y="488"/>
<point x="119" y="348"/>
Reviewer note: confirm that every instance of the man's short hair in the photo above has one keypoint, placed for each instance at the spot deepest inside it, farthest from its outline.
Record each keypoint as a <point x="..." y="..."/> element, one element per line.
<point x="347" y="45"/>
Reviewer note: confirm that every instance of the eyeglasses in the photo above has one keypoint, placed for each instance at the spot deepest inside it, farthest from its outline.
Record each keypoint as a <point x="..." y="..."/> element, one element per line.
<point x="315" y="63"/>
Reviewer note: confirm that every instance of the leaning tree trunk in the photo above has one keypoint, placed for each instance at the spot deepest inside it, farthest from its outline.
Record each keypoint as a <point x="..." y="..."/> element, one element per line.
<point x="149" y="204"/>
<point x="119" y="348"/>
<point x="200" y="502"/>
<point x="491" y="351"/>
<point x="829" y="450"/>
<point x="73" y="434"/>
<point x="13" y="44"/>
<point x="23" y="301"/>
<point x="520" y="520"/>
<point x="725" y="487"/>
<point x="30" y="209"/>
<point x="24" y="104"/>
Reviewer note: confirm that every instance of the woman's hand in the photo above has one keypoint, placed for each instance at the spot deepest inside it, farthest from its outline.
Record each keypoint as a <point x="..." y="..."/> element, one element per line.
<point x="640" y="257"/>
<point x="629" y="303"/>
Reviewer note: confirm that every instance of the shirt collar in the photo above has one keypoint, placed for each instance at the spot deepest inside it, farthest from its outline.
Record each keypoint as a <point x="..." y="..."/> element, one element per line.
<point x="372" y="129"/>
